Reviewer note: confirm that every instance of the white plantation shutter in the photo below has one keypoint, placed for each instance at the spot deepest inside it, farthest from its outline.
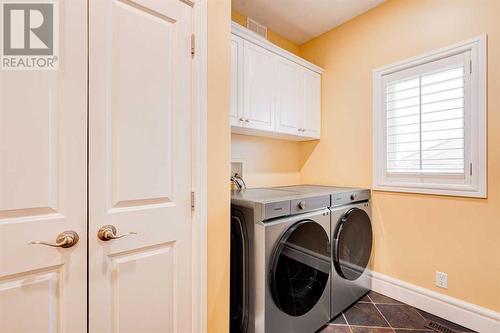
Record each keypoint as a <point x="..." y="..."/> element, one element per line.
<point x="425" y="123"/>
<point x="430" y="122"/>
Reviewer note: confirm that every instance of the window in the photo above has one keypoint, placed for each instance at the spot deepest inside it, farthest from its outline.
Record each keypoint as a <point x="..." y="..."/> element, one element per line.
<point x="430" y="123"/>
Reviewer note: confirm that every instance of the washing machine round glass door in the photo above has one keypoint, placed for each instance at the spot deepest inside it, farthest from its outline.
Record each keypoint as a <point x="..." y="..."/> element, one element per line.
<point x="352" y="244"/>
<point x="300" y="267"/>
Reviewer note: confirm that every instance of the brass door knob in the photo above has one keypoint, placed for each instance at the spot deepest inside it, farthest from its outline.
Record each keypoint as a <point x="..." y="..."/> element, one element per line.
<point x="108" y="232"/>
<point x="65" y="239"/>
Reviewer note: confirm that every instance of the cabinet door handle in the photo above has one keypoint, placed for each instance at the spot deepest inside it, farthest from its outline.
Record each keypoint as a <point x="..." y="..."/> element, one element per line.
<point x="241" y="119"/>
<point x="247" y="120"/>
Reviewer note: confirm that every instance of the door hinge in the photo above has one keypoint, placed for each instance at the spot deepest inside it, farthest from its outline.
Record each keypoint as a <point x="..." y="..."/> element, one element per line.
<point x="470" y="66"/>
<point x="192" y="200"/>
<point x="470" y="169"/>
<point x="193" y="43"/>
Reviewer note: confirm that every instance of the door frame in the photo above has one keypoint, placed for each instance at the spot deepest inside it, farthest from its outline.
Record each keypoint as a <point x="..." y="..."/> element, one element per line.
<point x="199" y="168"/>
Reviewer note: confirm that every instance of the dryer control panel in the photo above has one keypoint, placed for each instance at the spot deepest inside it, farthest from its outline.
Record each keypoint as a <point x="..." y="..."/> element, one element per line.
<point x="348" y="197"/>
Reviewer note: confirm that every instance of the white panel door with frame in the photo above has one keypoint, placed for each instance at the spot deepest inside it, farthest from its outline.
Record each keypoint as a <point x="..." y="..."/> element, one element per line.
<point x="43" y="186"/>
<point x="140" y="166"/>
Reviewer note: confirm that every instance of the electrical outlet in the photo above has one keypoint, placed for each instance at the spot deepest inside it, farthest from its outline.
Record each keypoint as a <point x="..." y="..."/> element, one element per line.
<point x="441" y="280"/>
<point x="237" y="168"/>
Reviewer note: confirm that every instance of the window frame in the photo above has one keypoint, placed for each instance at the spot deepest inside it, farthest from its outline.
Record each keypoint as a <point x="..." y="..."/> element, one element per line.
<point x="473" y="183"/>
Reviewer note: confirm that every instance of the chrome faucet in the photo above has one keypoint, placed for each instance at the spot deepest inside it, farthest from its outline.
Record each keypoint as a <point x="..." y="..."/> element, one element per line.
<point x="238" y="182"/>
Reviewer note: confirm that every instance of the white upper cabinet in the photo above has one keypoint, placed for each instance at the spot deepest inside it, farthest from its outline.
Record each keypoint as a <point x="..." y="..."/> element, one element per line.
<point x="273" y="92"/>
<point x="258" y="86"/>
<point x="289" y="104"/>
<point x="236" y="114"/>
<point x="311" y="111"/>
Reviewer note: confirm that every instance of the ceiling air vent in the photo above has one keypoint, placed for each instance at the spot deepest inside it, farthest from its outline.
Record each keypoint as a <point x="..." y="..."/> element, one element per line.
<point x="256" y="27"/>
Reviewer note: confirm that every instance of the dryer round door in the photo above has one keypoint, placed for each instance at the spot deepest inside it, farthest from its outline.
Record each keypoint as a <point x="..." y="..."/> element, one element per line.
<point x="352" y="244"/>
<point x="300" y="267"/>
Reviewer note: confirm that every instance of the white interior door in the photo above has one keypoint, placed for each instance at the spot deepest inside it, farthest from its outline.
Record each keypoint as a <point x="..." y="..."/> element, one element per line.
<point x="289" y="108"/>
<point x="140" y="165"/>
<point x="43" y="187"/>
<point x="258" y="87"/>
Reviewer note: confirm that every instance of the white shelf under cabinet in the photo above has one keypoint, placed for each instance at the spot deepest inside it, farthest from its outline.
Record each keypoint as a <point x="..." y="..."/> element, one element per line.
<point x="273" y="92"/>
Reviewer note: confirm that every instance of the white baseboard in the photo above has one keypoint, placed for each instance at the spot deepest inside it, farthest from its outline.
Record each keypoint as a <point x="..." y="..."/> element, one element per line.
<point x="466" y="314"/>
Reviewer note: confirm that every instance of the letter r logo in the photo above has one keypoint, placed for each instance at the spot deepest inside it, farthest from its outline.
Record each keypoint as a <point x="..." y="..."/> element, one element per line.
<point x="28" y="29"/>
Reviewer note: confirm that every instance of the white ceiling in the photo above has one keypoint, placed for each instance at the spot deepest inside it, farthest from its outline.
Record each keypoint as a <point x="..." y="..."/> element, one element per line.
<point x="302" y="20"/>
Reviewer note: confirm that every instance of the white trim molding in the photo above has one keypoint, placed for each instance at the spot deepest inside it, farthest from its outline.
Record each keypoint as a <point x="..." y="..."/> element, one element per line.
<point x="251" y="36"/>
<point x="473" y="181"/>
<point x="463" y="313"/>
<point x="199" y="169"/>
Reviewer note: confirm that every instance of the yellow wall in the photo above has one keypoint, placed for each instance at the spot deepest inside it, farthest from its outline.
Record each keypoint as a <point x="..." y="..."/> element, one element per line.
<point x="266" y="162"/>
<point x="260" y="165"/>
<point x="271" y="35"/>
<point x="415" y="234"/>
<point x="219" y="18"/>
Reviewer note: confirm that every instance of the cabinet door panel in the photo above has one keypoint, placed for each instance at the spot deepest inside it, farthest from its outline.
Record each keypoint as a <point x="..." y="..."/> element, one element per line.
<point x="236" y="114"/>
<point x="258" y="87"/>
<point x="289" y="101"/>
<point x="312" y="105"/>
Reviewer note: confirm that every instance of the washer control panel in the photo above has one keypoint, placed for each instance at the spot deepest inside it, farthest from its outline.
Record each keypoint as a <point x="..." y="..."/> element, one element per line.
<point x="276" y="209"/>
<point x="308" y="204"/>
<point x="344" y="198"/>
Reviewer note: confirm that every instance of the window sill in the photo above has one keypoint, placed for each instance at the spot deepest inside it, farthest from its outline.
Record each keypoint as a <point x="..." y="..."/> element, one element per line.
<point x="468" y="192"/>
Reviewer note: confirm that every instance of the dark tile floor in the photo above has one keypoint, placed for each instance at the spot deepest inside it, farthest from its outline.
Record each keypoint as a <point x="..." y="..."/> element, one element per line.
<point x="376" y="313"/>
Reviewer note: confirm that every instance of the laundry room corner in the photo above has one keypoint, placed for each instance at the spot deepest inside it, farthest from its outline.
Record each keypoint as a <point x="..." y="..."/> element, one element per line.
<point x="417" y="234"/>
